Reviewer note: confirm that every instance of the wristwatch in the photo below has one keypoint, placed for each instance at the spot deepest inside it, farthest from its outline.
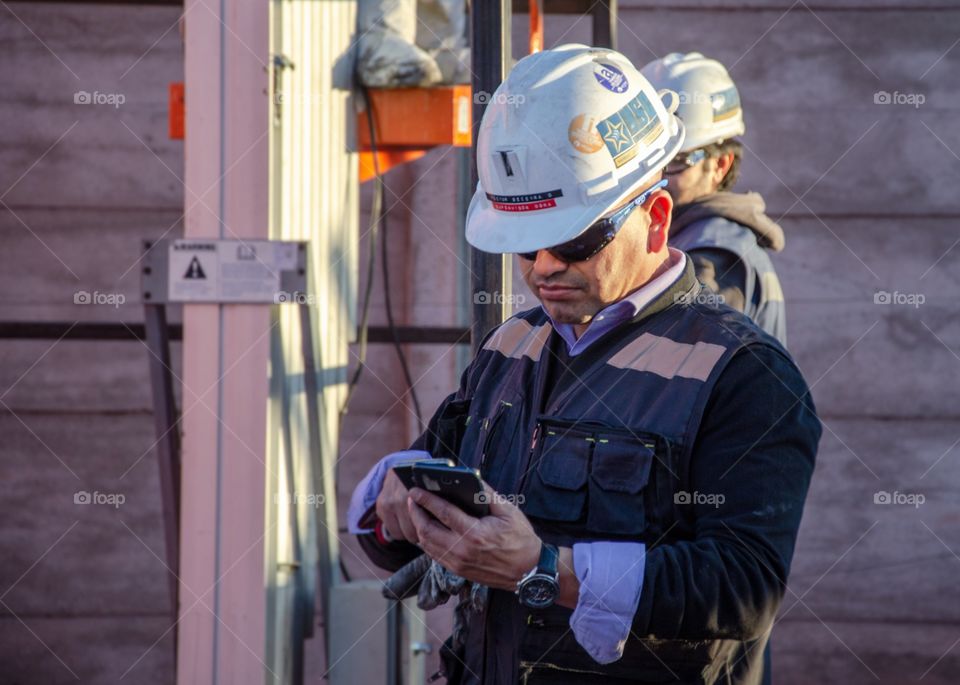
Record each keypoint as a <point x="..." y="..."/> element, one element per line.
<point x="540" y="587"/>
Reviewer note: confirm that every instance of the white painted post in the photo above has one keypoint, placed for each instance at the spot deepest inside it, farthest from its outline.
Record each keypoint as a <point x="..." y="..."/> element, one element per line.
<point x="225" y="353"/>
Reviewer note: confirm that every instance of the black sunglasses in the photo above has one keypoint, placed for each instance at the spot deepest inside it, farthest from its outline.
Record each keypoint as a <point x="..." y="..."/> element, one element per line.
<point x="684" y="161"/>
<point x="598" y="235"/>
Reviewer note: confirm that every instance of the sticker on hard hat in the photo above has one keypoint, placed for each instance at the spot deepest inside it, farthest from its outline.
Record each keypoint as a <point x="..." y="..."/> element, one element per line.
<point x="610" y="77"/>
<point x="725" y="104"/>
<point x="635" y="124"/>
<point x="583" y="134"/>
<point x="525" y="203"/>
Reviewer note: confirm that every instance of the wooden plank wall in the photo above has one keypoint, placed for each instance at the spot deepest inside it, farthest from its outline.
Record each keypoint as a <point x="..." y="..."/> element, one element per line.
<point x="85" y="595"/>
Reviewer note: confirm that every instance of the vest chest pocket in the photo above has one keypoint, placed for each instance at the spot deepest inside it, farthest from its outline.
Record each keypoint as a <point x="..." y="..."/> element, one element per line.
<point x="589" y="473"/>
<point x="620" y="471"/>
<point x="494" y="439"/>
<point x="555" y="486"/>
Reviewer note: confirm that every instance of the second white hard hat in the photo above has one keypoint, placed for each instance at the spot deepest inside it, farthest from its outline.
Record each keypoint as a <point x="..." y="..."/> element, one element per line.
<point x="709" y="101"/>
<point x="569" y="134"/>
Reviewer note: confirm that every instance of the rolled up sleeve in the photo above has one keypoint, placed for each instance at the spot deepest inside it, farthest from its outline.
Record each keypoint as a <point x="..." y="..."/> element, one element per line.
<point x="611" y="578"/>
<point x="365" y="494"/>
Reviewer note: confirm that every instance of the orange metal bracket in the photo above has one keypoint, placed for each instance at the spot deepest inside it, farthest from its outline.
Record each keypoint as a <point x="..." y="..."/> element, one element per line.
<point x="536" y="26"/>
<point x="177" y="111"/>
<point x="371" y="163"/>
<point x="410" y="121"/>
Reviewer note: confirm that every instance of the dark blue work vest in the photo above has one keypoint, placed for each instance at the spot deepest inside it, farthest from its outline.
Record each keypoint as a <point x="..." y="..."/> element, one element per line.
<point x="600" y="457"/>
<point x="763" y="296"/>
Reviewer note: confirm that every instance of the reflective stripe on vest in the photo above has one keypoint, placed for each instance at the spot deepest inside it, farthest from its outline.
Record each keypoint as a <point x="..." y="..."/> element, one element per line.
<point x="668" y="358"/>
<point x="516" y="338"/>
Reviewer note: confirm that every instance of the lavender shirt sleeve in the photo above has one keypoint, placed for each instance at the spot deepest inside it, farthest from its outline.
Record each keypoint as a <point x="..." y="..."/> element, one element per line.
<point x="611" y="578"/>
<point x="365" y="494"/>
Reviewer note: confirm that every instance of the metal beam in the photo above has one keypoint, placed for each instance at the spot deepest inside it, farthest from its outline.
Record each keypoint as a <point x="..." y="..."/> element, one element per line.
<point x="166" y="422"/>
<point x="57" y="330"/>
<point x="490" y="57"/>
<point x="141" y="3"/>
<point x="71" y="330"/>
<point x="605" y="24"/>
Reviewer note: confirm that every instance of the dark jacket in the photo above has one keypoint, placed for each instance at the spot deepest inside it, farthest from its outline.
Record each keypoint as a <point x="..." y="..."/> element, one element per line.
<point x="729" y="236"/>
<point x="689" y="397"/>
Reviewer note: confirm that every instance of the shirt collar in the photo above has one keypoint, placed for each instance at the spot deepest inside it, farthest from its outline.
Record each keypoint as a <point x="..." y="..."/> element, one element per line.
<point x="623" y="309"/>
<point x="635" y="302"/>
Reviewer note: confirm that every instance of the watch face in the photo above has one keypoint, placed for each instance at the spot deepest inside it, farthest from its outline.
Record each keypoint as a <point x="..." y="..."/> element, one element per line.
<point x="539" y="592"/>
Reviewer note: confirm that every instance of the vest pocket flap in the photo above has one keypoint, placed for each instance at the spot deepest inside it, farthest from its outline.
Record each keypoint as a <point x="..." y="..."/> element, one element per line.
<point x="619" y="476"/>
<point x="621" y="464"/>
<point x="564" y="459"/>
<point x="556" y="489"/>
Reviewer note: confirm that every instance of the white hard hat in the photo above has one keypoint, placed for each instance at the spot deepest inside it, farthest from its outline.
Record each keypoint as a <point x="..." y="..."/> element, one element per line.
<point x="569" y="134"/>
<point x="709" y="101"/>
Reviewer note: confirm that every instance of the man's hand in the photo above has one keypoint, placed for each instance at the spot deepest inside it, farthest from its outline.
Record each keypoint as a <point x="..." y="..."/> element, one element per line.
<point x="496" y="550"/>
<point x="392" y="509"/>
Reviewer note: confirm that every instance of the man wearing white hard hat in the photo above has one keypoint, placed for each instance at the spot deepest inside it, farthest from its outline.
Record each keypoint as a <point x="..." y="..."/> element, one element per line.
<point x="726" y="234"/>
<point x="647" y="452"/>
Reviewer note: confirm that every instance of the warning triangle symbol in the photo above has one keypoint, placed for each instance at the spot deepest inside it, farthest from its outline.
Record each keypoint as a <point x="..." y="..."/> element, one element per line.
<point x="195" y="270"/>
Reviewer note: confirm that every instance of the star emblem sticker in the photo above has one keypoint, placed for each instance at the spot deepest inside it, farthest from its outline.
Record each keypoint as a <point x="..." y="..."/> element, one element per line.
<point x="616" y="135"/>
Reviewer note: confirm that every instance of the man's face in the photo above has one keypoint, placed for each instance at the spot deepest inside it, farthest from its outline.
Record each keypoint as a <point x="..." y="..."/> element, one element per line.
<point x="574" y="292"/>
<point x="695" y="181"/>
<point x="700" y="179"/>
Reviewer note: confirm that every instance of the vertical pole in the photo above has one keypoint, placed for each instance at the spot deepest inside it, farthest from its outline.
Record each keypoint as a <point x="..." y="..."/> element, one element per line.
<point x="605" y="24"/>
<point x="491" y="55"/>
<point x="394" y="642"/>
<point x="222" y="636"/>
<point x="168" y="436"/>
<point x="312" y="393"/>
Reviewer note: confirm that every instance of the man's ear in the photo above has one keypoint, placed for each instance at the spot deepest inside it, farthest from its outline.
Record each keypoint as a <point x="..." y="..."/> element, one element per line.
<point x="661" y="208"/>
<point x="724" y="162"/>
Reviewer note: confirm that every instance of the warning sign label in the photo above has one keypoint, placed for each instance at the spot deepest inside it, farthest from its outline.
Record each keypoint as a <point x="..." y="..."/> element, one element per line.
<point x="229" y="270"/>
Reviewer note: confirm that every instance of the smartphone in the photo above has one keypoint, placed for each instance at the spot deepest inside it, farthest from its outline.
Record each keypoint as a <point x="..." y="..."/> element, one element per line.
<point x="404" y="469"/>
<point x="458" y="485"/>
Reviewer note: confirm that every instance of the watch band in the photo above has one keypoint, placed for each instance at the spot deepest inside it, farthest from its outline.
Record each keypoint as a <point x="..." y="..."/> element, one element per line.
<point x="549" y="559"/>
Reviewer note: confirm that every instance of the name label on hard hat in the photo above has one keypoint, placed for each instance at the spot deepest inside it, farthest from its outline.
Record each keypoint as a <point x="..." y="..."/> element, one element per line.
<point x="525" y="203"/>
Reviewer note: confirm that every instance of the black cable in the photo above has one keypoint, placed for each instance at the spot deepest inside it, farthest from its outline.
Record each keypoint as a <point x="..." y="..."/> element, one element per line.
<point x="376" y="211"/>
<point x="393" y="327"/>
<point x="377" y="214"/>
<point x="378" y="193"/>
